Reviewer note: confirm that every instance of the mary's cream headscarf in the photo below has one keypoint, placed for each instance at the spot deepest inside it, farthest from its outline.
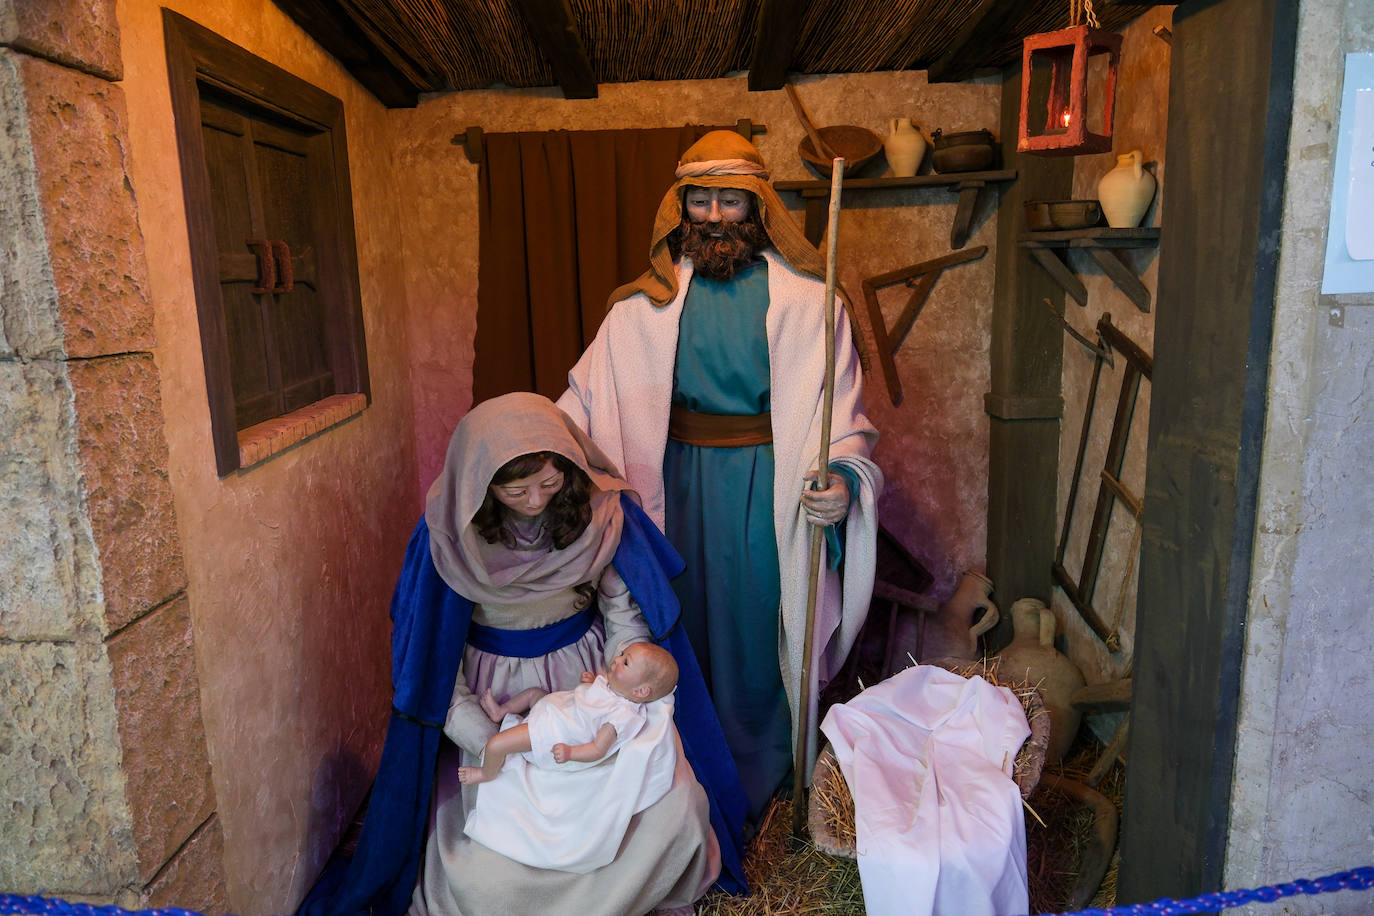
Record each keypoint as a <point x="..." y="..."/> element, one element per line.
<point x="493" y="433"/>
<point x="720" y="159"/>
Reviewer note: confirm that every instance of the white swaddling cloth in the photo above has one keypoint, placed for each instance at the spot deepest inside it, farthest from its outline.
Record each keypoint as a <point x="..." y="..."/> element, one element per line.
<point x="927" y="756"/>
<point x="572" y="816"/>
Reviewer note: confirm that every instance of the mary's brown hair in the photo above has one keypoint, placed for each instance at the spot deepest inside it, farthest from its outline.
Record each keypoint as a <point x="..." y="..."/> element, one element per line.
<point x="567" y="514"/>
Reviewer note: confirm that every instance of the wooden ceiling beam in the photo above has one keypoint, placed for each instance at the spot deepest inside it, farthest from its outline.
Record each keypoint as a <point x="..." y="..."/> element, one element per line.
<point x="775" y="41"/>
<point x="338" y="34"/>
<point x="984" y="27"/>
<point x="551" y="25"/>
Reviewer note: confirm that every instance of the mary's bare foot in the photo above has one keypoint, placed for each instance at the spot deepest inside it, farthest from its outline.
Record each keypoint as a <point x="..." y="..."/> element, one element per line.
<point x="492" y="708"/>
<point x="471" y="776"/>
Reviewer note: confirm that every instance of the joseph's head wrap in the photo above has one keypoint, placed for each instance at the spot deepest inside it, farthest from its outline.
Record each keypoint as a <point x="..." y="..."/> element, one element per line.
<point x="720" y="159"/>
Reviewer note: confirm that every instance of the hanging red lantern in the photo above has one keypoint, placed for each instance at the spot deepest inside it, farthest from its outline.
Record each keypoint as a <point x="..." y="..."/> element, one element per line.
<point x="1070" y="76"/>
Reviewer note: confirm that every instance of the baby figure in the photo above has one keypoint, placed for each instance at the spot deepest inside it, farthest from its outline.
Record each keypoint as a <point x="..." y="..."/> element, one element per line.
<point x="584" y="724"/>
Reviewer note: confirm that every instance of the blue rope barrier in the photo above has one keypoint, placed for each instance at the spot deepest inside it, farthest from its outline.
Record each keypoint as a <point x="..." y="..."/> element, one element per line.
<point x="1356" y="879"/>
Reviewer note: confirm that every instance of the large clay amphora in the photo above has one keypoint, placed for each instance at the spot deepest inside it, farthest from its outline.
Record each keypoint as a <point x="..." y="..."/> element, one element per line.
<point x="1126" y="191"/>
<point x="905" y="147"/>
<point x="1031" y="656"/>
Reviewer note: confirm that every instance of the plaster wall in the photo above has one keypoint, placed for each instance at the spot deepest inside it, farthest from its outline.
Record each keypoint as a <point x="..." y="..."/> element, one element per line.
<point x="291" y="562"/>
<point x="1142" y="102"/>
<point x="933" y="447"/>
<point x="1302" y="801"/>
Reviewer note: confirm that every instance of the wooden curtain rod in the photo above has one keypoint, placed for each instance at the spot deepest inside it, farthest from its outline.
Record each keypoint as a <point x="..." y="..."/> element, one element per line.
<point x="471" y="139"/>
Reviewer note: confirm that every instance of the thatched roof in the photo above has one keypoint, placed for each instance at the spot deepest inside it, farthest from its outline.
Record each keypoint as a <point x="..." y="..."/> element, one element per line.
<point x="400" y="48"/>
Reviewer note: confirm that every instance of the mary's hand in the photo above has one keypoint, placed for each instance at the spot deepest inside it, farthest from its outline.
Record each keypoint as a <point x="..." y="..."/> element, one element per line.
<point x="828" y="506"/>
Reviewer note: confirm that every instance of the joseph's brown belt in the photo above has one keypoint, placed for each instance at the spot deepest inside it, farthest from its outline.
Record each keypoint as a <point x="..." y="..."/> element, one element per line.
<point x="719" y="430"/>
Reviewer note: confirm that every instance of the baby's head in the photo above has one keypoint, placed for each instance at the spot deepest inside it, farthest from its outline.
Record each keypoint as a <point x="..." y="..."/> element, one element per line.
<point x="642" y="672"/>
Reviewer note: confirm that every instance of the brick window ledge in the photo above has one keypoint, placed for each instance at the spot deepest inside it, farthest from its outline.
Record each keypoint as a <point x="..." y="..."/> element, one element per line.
<point x="262" y="441"/>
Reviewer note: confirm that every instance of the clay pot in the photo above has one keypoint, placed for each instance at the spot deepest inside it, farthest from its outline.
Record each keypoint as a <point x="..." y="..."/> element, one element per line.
<point x="967" y="151"/>
<point x="1031" y="657"/>
<point x="953" y="634"/>
<point x="905" y="147"/>
<point x="1126" y="191"/>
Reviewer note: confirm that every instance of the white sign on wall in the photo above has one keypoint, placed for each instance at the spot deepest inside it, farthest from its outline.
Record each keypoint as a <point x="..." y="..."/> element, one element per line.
<point x="1350" y="234"/>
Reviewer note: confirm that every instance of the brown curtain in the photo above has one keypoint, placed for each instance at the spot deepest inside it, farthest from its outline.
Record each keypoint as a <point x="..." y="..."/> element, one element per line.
<point x="565" y="219"/>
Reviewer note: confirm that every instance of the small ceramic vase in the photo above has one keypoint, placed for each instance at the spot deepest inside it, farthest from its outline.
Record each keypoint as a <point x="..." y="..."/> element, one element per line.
<point x="905" y="147"/>
<point x="1031" y="656"/>
<point x="1126" y="191"/>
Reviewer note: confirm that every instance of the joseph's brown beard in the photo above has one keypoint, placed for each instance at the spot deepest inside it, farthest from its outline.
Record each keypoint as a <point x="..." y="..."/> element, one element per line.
<point x="719" y="250"/>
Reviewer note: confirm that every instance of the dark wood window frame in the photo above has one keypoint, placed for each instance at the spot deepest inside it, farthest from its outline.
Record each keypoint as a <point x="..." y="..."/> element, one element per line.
<point x="199" y="60"/>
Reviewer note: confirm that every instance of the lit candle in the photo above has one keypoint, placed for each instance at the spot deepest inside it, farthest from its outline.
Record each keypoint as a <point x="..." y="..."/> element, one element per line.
<point x="1066" y="117"/>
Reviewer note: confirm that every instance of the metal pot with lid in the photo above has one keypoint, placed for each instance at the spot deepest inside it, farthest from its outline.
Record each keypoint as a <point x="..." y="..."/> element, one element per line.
<point x="965" y="151"/>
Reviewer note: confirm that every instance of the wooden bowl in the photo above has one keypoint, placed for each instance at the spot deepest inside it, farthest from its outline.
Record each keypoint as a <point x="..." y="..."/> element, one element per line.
<point x="858" y="145"/>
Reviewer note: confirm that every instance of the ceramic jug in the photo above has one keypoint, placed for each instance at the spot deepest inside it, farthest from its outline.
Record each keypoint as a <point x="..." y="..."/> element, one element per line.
<point x="1031" y="657"/>
<point x="953" y="635"/>
<point x="905" y="147"/>
<point x="1126" y="191"/>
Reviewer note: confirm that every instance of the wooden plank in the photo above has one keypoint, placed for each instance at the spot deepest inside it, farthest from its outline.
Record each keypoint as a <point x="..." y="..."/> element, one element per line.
<point x="1066" y="278"/>
<point x="1128" y="348"/>
<point x="1113" y="696"/>
<point x="1213" y="330"/>
<point x="812" y="186"/>
<point x="1121" y="275"/>
<point x="1084" y="431"/>
<point x="912" y="310"/>
<point x="1098" y="235"/>
<point x="551" y="25"/>
<point x="816" y="209"/>
<point x="887" y="344"/>
<point x="878" y="325"/>
<point x="369" y="64"/>
<point x="981" y="29"/>
<point x="925" y="267"/>
<point x="1025" y="361"/>
<point x="1133" y="503"/>
<point x="1115" y="458"/>
<point x="963" y="214"/>
<point x="775" y="40"/>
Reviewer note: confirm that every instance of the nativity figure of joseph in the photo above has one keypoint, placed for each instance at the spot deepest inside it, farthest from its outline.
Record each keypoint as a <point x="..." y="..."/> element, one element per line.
<point x="705" y="386"/>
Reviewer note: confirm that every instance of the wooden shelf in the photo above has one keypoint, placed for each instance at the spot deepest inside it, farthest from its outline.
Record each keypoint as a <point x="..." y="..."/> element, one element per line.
<point x="816" y="193"/>
<point x="1102" y="244"/>
<point x="821" y="186"/>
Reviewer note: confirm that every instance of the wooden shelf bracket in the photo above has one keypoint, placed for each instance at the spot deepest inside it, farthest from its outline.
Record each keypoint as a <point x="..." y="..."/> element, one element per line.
<point x="921" y="278"/>
<point x="1048" y="249"/>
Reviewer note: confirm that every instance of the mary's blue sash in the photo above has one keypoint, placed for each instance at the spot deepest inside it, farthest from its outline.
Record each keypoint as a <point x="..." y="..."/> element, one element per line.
<point x="534" y="643"/>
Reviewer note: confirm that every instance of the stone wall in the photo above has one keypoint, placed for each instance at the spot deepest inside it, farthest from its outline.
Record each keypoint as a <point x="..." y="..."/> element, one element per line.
<point x="1302" y="802"/>
<point x="933" y="448"/>
<point x="104" y="754"/>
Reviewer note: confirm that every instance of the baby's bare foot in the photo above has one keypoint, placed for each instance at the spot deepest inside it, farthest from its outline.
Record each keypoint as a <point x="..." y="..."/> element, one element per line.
<point x="471" y="776"/>
<point x="492" y="708"/>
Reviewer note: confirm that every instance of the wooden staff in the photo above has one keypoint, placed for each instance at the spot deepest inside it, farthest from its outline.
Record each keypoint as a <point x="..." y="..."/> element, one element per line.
<point x="802" y="738"/>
